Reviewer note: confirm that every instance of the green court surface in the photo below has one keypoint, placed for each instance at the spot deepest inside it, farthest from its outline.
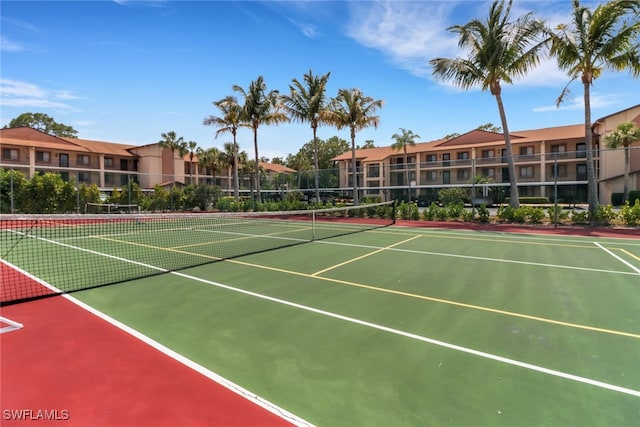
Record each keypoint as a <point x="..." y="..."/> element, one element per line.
<point x="403" y="326"/>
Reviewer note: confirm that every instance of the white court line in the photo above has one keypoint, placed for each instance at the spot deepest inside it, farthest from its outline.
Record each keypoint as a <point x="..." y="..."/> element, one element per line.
<point x="477" y="258"/>
<point x="230" y="385"/>
<point x="625" y="262"/>
<point x="455" y="347"/>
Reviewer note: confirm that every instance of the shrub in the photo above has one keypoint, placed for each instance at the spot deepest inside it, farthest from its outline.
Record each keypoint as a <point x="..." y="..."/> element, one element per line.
<point x="452" y="196"/>
<point x="408" y="211"/>
<point x="469" y="216"/>
<point x="455" y="211"/>
<point x="558" y="213"/>
<point x="630" y="215"/>
<point x="604" y="214"/>
<point x="483" y="214"/>
<point x="506" y="213"/>
<point x="535" y="215"/>
<point x="580" y="217"/>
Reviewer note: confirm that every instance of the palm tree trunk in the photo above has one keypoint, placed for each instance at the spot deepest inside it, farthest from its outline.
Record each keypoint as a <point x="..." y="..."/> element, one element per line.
<point x="406" y="170"/>
<point x="256" y="176"/>
<point x="236" y="184"/>
<point x="626" y="173"/>
<point x="592" y="195"/>
<point x="315" y="165"/>
<point x="514" y="198"/>
<point x="354" y="169"/>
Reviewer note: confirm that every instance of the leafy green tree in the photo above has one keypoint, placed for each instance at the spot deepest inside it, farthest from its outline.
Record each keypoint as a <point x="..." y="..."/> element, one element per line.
<point x="301" y="163"/>
<point x="403" y="140"/>
<point x="326" y="151"/>
<point x="43" y="123"/>
<point x="229" y="122"/>
<point x="12" y="187"/>
<point x="625" y="134"/>
<point x="307" y="102"/>
<point x="353" y="110"/>
<point x="499" y="50"/>
<point x="605" y="38"/>
<point x="211" y="159"/>
<point x="49" y="193"/>
<point x="260" y="107"/>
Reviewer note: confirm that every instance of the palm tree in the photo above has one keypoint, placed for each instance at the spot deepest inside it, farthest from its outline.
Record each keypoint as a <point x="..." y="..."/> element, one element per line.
<point x="171" y="141"/>
<point x="625" y="134"/>
<point x="307" y="103"/>
<point x="210" y="159"/>
<point x="230" y="121"/>
<point x="407" y="138"/>
<point x="230" y="159"/>
<point x="191" y="146"/>
<point x="499" y="50"/>
<point x="352" y="109"/>
<point x="260" y="107"/>
<point x="596" y="40"/>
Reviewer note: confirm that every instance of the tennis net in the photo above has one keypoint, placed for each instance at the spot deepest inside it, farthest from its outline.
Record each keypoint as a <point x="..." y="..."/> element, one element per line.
<point x="48" y="255"/>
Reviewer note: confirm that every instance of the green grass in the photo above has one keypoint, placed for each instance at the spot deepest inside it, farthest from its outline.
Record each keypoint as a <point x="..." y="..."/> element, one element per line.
<point x="554" y="302"/>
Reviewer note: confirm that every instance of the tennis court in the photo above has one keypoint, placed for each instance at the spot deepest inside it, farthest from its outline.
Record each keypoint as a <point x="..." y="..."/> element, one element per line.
<point x="368" y="324"/>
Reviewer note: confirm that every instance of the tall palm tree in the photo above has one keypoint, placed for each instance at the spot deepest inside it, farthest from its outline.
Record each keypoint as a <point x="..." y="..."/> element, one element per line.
<point x="499" y="50"/>
<point x="307" y="103"/>
<point x="404" y="140"/>
<point x="593" y="41"/>
<point x="625" y="134"/>
<point x="192" y="147"/>
<point x="352" y="109"/>
<point x="171" y="141"/>
<point x="229" y="122"/>
<point x="260" y="107"/>
<point x="210" y="159"/>
<point x="230" y="159"/>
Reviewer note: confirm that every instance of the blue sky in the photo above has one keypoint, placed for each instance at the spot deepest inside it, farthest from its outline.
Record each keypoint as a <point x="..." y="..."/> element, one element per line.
<point x="127" y="71"/>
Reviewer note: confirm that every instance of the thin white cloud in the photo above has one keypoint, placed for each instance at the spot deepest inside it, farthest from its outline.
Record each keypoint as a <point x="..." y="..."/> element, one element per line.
<point x="14" y="93"/>
<point x="576" y="102"/>
<point x="309" y="30"/>
<point x="409" y="33"/>
<point x="7" y="45"/>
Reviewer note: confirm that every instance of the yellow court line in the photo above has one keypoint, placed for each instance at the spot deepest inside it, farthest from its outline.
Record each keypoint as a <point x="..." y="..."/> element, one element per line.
<point x="629" y="253"/>
<point x="363" y="256"/>
<point x="394" y="292"/>
<point x="235" y="239"/>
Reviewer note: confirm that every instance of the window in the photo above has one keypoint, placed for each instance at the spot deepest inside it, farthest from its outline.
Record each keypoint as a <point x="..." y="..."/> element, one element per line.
<point x="558" y="170"/>
<point x="432" y="176"/>
<point x="431" y="158"/>
<point x="488" y="172"/>
<point x="446" y="177"/>
<point x="581" y="150"/>
<point x="558" y="148"/>
<point x="581" y="172"/>
<point x="108" y="162"/>
<point x="463" y="156"/>
<point x="526" y="151"/>
<point x="373" y="171"/>
<point x="43" y="156"/>
<point x="108" y="179"/>
<point x="487" y="154"/>
<point x="462" y="174"/>
<point x="446" y="157"/>
<point x="10" y="154"/>
<point x="526" y="171"/>
<point x="83" y="177"/>
<point x="83" y="159"/>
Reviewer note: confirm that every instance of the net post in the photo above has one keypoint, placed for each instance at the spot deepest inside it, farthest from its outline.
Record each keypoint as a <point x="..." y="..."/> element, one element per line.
<point x="313" y="225"/>
<point x="393" y="211"/>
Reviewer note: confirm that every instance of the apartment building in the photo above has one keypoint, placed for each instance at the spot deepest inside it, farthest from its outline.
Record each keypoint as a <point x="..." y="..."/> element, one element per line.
<point x="110" y="165"/>
<point x="548" y="161"/>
